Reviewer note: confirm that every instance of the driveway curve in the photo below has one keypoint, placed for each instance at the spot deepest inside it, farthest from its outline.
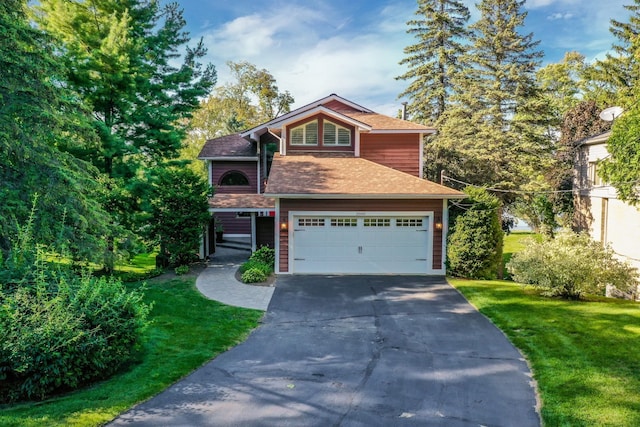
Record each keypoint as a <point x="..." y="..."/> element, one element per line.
<point x="357" y="351"/>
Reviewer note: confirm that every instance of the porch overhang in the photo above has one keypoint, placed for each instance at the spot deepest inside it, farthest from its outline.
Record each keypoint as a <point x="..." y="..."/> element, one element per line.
<point x="241" y="203"/>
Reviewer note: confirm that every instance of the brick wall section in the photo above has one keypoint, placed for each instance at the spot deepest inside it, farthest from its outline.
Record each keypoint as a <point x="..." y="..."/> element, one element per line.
<point x="286" y="206"/>
<point x="399" y="151"/>
<point x="250" y="169"/>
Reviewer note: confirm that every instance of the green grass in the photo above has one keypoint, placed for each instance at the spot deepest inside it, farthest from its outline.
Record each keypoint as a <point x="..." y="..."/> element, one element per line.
<point x="187" y="331"/>
<point x="584" y="355"/>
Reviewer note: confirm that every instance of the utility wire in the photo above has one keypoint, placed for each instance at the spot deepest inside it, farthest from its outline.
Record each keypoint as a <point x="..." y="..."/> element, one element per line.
<point x="501" y="190"/>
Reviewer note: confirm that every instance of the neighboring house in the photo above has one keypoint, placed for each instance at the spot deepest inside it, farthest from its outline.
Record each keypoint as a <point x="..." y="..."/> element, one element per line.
<point x="334" y="188"/>
<point x="598" y="209"/>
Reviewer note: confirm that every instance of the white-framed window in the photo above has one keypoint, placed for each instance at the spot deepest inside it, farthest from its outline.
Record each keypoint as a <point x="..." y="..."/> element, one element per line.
<point x="377" y="222"/>
<point x="310" y="222"/>
<point x="594" y="178"/>
<point x="306" y="134"/>
<point x="333" y="134"/>
<point x="409" y="222"/>
<point x="344" y="222"/>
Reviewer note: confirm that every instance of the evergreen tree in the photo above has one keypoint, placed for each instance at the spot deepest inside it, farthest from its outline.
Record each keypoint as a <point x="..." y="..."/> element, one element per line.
<point x="440" y="30"/>
<point x="493" y="129"/>
<point x="178" y="211"/>
<point x="615" y="78"/>
<point x="37" y="115"/>
<point x="622" y="71"/>
<point x="119" y="55"/>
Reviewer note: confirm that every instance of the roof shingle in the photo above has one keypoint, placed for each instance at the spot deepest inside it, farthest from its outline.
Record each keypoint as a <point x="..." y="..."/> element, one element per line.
<point x="228" y="146"/>
<point x="318" y="175"/>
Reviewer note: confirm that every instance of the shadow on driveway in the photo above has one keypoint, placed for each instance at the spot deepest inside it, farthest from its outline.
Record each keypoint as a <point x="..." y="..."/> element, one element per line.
<point x="357" y="351"/>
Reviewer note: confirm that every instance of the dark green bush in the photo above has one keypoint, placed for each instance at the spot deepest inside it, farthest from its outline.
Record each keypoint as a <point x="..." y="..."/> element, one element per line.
<point x="60" y="329"/>
<point x="83" y="330"/>
<point x="474" y="247"/>
<point x="265" y="255"/>
<point x="254" y="275"/>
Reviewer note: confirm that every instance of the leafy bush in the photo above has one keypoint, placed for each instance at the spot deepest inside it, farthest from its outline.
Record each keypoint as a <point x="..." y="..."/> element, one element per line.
<point x="258" y="265"/>
<point x="570" y="266"/>
<point x="474" y="248"/>
<point x="265" y="255"/>
<point x="60" y="330"/>
<point x="183" y="269"/>
<point x="254" y="275"/>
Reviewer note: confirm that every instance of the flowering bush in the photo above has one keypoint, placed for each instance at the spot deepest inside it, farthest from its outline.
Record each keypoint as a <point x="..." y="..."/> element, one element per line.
<point x="570" y="266"/>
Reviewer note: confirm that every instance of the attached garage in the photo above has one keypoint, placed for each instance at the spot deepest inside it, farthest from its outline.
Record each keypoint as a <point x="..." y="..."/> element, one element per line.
<point x="361" y="243"/>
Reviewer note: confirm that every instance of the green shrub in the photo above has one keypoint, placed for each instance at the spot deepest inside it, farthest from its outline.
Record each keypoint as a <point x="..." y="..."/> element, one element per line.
<point x="254" y="275"/>
<point x="257" y="265"/>
<point x="183" y="269"/>
<point x="474" y="248"/>
<point x="60" y="330"/>
<point x="265" y="255"/>
<point x="570" y="266"/>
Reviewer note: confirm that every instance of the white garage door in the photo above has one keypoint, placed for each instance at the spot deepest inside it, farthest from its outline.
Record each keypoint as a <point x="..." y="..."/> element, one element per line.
<point x="369" y="245"/>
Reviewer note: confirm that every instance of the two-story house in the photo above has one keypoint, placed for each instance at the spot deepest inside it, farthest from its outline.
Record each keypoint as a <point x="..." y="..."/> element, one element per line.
<point x="598" y="210"/>
<point x="335" y="188"/>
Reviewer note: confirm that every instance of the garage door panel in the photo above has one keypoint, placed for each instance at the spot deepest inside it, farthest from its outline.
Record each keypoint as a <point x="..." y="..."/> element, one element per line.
<point x="343" y="244"/>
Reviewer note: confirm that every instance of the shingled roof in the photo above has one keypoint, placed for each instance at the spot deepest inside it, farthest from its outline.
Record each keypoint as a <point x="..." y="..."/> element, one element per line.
<point x="228" y="146"/>
<point x="327" y="176"/>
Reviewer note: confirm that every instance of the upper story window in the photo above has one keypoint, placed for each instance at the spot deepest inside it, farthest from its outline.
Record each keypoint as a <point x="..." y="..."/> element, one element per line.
<point x="306" y="134"/>
<point x="333" y="134"/>
<point x="234" y="178"/>
<point x="594" y="177"/>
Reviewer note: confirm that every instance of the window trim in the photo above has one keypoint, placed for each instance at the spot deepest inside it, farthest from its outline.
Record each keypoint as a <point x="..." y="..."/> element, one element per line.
<point x="336" y="142"/>
<point x="303" y="126"/>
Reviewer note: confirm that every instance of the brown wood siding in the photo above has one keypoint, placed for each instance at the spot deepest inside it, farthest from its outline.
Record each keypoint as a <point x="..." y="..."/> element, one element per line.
<point x="338" y="106"/>
<point x="234" y="225"/>
<point x="320" y="147"/>
<point x="397" y="151"/>
<point x="287" y="205"/>
<point x="265" y="231"/>
<point x="250" y="169"/>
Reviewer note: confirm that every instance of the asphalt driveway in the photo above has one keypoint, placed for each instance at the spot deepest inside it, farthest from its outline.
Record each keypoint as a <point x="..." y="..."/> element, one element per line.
<point x="357" y="351"/>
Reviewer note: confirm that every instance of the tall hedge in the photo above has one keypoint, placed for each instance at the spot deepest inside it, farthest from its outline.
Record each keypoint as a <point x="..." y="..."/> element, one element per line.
<point x="474" y="248"/>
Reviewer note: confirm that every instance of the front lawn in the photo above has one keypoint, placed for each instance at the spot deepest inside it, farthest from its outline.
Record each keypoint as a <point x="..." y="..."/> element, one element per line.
<point x="187" y="331"/>
<point x="585" y="355"/>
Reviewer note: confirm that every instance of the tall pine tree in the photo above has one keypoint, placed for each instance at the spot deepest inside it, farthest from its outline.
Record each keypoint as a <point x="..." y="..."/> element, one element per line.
<point x="120" y="57"/>
<point x="440" y="30"/>
<point x="616" y="77"/>
<point x="622" y="167"/>
<point x="37" y="115"/>
<point x="491" y="132"/>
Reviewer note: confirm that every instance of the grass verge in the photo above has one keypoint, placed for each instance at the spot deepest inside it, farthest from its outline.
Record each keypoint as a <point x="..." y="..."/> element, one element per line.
<point x="584" y="354"/>
<point x="187" y="331"/>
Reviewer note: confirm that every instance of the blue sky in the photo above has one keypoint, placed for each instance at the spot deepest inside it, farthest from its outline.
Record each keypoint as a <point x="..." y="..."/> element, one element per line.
<point x="352" y="47"/>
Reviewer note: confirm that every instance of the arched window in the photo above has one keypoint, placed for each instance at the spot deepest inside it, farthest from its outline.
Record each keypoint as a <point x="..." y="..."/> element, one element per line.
<point x="234" y="178"/>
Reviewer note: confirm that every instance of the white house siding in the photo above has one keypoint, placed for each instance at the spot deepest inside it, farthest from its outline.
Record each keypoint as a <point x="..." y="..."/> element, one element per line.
<point x="598" y="209"/>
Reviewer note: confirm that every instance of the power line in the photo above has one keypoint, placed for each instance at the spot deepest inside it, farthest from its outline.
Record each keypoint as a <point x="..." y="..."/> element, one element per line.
<point x="501" y="190"/>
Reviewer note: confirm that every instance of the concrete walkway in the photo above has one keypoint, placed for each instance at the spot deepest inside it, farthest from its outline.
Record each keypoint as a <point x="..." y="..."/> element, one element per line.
<point x="218" y="282"/>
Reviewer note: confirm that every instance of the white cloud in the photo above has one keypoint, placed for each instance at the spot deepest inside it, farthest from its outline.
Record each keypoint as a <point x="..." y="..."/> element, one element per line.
<point x="311" y="54"/>
<point x="560" y="16"/>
